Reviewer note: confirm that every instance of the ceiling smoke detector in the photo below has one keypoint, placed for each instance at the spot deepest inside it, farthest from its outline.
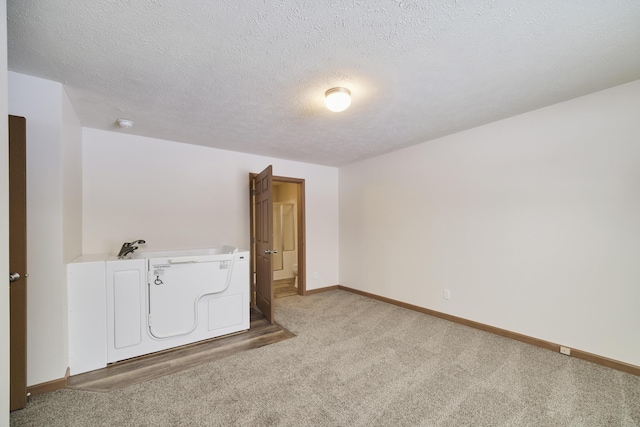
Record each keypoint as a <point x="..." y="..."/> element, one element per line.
<point x="125" y="123"/>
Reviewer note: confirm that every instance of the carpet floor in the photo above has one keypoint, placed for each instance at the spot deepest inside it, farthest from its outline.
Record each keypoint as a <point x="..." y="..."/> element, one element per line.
<point x="360" y="362"/>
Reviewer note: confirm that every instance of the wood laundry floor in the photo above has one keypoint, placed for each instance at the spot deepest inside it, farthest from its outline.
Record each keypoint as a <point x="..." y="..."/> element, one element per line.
<point x="123" y="374"/>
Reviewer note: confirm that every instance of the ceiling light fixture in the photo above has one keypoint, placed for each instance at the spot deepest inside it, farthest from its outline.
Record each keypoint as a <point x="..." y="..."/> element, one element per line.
<point x="337" y="99"/>
<point x="125" y="123"/>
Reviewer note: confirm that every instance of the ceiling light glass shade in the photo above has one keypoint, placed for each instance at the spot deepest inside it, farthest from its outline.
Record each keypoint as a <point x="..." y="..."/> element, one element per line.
<point x="337" y="99"/>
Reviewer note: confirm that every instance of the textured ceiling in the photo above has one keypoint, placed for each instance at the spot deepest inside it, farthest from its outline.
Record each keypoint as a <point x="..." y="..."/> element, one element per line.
<point x="250" y="75"/>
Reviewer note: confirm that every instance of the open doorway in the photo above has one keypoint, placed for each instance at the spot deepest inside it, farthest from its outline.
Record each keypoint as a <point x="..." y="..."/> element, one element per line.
<point x="285" y="263"/>
<point x="277" y="212"/>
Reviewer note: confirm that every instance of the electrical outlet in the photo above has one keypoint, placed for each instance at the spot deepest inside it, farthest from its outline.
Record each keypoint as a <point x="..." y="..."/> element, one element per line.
<point x="565" y="350"/>
<point x="315" y="275"/>
<point x="446" y="294"/>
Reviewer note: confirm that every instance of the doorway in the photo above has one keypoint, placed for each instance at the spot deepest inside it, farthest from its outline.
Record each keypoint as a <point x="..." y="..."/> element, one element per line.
<point x="285" y="263"/>
<point x="286" y="236"/>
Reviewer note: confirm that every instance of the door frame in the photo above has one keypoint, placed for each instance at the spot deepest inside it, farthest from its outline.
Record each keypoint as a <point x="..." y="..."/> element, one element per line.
<point x="301" y="238"/>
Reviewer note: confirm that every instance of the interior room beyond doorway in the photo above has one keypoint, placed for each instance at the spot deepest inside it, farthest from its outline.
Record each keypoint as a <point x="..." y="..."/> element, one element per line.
<point x="285" y="239"/>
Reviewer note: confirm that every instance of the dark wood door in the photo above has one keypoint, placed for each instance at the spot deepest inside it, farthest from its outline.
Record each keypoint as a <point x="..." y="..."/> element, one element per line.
<point x="18" y="262"/>
<point x="263" y="212"/>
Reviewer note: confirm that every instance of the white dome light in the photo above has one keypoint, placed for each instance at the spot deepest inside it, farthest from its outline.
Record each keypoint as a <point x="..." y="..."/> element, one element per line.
<point x="337" y="99"/>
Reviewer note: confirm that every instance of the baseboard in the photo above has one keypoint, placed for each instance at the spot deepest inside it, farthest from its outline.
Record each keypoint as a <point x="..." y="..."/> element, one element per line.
<point x="319" y="290"/>
<point x="61" y="383"/>
<point x="594" y="358"/>
<point x="49" y="386"/>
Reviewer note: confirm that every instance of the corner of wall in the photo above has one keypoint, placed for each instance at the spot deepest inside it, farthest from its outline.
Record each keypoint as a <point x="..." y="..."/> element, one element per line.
<point x="40" y="101"/>
<point x="71" y="180"/>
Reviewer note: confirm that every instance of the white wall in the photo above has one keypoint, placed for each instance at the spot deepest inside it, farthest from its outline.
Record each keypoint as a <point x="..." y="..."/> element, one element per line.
<point x="71" y="180"/>
<point x="4" y="223"/>
<point x="176" y="195"/>
<point x="51" y="140"/>
<point x="71" y="193"/>
<point x="532" y="223"/>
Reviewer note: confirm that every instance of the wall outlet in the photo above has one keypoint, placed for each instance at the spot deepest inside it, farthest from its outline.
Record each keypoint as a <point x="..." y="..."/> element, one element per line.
<point x="315" y="275"/>
<point x="446" y="294"/>
<point x="565" y="350"/>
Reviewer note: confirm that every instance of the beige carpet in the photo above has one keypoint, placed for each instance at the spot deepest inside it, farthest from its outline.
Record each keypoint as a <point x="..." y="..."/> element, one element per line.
<point x="361" y="362"/>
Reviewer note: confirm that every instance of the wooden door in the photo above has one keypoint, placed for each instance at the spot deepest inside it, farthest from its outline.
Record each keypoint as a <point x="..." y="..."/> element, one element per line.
<point x="263" y="212"/>
<point x="18" y="262"/>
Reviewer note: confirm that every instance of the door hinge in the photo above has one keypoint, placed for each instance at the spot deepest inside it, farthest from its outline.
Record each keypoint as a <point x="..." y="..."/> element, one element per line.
<point x="253" y="240"/>
<point x="253" y="191"/>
